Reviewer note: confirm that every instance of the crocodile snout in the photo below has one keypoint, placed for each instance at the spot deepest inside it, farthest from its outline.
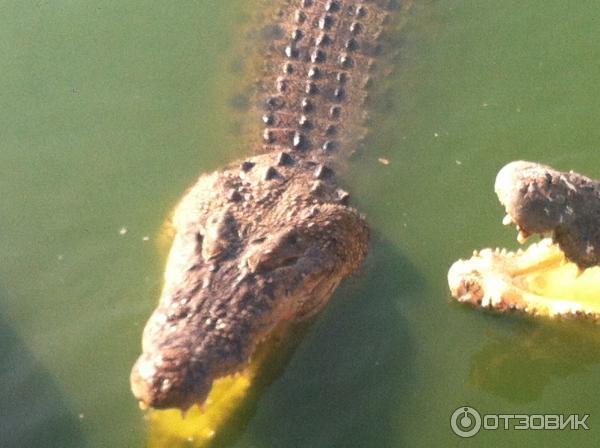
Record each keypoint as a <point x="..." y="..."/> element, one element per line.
<point x="158" y="384"/>
<point x="533" y="195"/>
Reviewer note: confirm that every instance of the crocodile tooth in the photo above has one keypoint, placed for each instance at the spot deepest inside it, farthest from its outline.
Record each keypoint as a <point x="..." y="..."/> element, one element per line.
<point x="522" y="236"/>
<point x="507" y="220"/>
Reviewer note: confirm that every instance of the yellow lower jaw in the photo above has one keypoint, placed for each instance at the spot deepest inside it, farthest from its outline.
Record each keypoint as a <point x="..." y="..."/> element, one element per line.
<point x="230" y="401"/>
<point x="199" y="426"/>
<point x="539" y="281"/>
<point x="202" y="425"/>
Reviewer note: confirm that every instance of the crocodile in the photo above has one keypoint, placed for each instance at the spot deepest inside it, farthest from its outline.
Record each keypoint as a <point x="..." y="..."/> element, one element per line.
<point x="268" y="239"/>
<point x="558" y="275"/>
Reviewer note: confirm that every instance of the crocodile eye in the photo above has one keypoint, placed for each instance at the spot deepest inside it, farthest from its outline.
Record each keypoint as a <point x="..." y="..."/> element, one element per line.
<point x="277" y="251"/>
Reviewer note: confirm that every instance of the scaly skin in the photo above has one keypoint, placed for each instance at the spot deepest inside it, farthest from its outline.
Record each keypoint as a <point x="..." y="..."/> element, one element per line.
<point x="267" y="240"/>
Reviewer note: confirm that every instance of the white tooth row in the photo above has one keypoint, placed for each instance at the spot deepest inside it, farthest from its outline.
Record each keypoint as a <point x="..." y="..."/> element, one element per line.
<point x="497" y="251"/>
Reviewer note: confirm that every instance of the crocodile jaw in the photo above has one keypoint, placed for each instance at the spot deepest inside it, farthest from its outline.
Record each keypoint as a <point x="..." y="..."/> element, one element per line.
<point x="538" y="281"/>
<point x="555" y="276"/>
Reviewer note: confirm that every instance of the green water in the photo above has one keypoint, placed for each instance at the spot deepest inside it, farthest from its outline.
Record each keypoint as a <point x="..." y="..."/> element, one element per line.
<point x="109" y="110"/>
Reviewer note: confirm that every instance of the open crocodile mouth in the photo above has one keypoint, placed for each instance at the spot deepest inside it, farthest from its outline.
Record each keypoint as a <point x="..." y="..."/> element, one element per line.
<point x="538" y="280"/>
<point x="549" y="278"/>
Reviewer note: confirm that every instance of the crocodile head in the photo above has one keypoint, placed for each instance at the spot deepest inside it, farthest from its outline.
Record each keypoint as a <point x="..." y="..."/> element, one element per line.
<point x="254" y="247"/>
<point x="565" y="205"/>
<point x="554" y="276"/>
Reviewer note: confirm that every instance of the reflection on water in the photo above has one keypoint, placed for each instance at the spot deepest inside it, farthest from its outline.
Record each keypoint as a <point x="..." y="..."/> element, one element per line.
<point x="353" y="369"/>
<point x="518" y="364"/>
<point x="33" y="411"/>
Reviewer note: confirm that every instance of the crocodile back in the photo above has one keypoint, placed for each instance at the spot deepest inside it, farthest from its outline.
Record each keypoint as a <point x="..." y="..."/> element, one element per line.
<point x="318" y="67"/>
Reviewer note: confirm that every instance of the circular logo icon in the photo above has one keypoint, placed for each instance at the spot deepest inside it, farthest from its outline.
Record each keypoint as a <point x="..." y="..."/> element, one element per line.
<point x="465" y="422"/>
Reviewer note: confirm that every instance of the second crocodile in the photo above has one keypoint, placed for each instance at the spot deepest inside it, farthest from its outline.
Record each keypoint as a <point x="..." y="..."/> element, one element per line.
<point x="558" y="275"/>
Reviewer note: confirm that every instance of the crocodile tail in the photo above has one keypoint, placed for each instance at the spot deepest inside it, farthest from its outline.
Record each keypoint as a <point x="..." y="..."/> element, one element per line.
<point x="319" y="65"/>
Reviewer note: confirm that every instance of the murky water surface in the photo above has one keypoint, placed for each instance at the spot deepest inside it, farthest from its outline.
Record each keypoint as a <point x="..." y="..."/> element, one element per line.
<point x="110" y="109"/>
